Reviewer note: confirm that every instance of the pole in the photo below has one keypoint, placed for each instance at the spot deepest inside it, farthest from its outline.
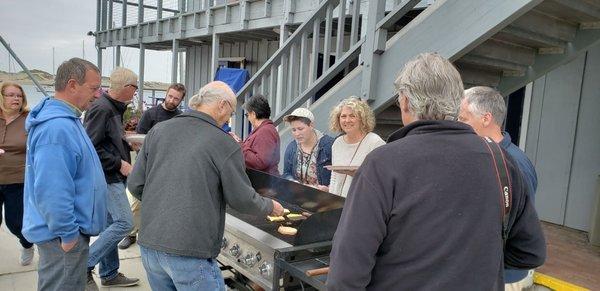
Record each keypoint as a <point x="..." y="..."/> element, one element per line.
<point x="53" y="63"/>
<point x="12" y="53"/>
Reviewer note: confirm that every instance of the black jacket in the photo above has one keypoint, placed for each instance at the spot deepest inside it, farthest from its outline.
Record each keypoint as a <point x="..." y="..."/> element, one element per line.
<point x="103" y="122"/>
<point x="424" y="212"/>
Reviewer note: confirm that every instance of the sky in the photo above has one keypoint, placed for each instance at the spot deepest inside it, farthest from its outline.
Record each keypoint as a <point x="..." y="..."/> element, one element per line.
<point x="34" y="27"/>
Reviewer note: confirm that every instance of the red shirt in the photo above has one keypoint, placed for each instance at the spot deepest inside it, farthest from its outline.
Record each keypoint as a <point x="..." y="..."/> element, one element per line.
<point x="261" y="148"/>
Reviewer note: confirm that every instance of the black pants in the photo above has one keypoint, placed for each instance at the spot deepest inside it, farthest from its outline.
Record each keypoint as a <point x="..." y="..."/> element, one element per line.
<point x="11" y="196"/>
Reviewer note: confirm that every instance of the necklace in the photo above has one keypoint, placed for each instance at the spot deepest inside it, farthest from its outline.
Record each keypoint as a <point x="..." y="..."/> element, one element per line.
<point x="304" y="166"/>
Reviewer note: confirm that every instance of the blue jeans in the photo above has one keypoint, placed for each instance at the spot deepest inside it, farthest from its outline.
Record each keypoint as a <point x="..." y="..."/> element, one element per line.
<point x="120" y="223"/>
<point x="11" y="196"/>
<point x="172" y="272"/>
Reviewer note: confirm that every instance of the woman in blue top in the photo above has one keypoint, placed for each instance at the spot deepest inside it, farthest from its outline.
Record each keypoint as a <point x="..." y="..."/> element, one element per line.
<point x="306" y="156"/>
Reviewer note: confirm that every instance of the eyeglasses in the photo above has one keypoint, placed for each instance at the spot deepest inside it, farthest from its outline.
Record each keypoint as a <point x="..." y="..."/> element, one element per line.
<point x="132" y="85"/>
<point x="231" y="106"/>
<point x="14" y="96"/>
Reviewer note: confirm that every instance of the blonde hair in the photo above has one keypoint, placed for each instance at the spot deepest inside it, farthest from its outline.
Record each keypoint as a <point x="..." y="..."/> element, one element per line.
<point x="121" y="77"/>
<point x="6" y="84"/>
<point x="362" y="110"/>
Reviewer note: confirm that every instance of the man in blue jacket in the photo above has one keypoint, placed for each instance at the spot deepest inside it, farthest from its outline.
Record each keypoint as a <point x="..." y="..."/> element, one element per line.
<point x="483" y="108"/>
<point x="65" y="189"/>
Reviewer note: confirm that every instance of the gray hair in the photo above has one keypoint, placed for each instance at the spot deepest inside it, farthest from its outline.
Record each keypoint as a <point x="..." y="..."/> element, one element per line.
<point x="121" y="77"/>
<point x="432" y="86"/>
<point x="485" y="99"/>
<point x="211" y="92"/>
<point x="74" y="68"/>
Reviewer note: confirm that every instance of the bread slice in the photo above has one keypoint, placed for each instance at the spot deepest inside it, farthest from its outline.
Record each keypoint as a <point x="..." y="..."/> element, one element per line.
<point x="287" y="230"/>
<point x="275" y="218"/>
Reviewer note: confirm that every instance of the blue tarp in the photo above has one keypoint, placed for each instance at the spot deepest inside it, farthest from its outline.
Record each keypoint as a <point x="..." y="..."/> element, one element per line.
<point x="235" y="78"/>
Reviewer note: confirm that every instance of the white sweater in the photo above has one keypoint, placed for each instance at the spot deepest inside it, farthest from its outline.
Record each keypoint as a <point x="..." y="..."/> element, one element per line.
<point x="342" y="153"/>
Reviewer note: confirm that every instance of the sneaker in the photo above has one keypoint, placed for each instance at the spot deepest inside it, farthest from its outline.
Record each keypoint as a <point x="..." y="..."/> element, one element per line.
<point x="127" y="242"/>
<point x="91" y="284"/>
<point x="26" y="256"/>
<point x="120" y="281"/>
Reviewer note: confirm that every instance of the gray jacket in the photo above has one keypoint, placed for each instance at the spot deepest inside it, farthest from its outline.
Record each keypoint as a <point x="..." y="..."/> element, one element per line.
<point x="186" y="172"/>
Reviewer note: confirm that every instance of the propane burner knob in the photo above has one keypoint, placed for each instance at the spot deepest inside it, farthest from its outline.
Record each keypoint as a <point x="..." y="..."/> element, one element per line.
<point x="250" y="260"/>
<point x="235" y="250"/>
<point x="258" y="257"/>
<point x="224" y="243"/>
<point x="265" y="269"/>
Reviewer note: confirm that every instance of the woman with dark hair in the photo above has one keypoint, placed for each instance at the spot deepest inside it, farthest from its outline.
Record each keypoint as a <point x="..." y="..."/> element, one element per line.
<point x="13" y="139"/>
<point x="261" y="148"/>
<point x="307" y="155"/>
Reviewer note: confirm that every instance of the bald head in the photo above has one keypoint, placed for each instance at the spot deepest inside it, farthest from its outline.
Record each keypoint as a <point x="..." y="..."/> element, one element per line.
<point x="215" y="99"/>
<point x="211" y="93"/>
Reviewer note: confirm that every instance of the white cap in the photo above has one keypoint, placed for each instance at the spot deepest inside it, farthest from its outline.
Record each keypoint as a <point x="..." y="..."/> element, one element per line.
<point x="300" y="112"/>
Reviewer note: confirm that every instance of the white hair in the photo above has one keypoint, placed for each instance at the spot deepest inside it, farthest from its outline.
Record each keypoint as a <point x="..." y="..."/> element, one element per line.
<point x="485" y="99"/>
<point x="211" y="92"/>
<point x="432" y="86"/>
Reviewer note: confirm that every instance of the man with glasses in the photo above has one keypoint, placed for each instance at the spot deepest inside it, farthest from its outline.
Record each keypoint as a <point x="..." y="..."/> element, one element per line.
<point x="184" y="213"/>
<point x="164" y="111"/>
<point x="104" y="124"/>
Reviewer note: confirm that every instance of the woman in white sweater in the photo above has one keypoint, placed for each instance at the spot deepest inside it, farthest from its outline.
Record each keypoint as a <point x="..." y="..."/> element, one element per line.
<point x="354" y="119"/>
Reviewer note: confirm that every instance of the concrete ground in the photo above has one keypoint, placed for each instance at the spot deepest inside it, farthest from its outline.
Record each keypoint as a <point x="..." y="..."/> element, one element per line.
<point x="15" y="277"/>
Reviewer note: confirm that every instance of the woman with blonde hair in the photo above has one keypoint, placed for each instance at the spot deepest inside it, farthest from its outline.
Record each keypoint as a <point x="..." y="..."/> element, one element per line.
<point x="13" y="139"/>
<point x="355" y="120"/>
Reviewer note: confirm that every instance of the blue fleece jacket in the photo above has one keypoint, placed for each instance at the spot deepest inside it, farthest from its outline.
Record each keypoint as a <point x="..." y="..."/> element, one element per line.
<point x="65" y="189"/>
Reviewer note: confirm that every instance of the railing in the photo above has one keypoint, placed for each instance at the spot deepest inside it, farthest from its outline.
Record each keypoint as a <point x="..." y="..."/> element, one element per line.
<point x="289" y="78"/>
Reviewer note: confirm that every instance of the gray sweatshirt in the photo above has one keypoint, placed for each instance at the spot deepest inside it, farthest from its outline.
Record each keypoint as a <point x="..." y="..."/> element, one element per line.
<point x="186" y="172"/>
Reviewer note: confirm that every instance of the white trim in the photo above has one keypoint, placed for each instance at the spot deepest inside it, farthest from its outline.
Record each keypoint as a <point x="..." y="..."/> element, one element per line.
<point x="525" y="115"/>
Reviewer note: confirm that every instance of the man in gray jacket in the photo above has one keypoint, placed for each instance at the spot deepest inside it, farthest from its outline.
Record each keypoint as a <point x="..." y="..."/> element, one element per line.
<point x="187" y="171"/>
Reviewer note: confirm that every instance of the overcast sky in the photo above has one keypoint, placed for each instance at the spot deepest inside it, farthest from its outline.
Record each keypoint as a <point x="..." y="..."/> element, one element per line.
<point x="34" y="27"/>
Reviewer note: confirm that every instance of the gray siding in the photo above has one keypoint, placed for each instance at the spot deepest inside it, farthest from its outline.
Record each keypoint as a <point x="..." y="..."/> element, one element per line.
<point x="563" y="140"/>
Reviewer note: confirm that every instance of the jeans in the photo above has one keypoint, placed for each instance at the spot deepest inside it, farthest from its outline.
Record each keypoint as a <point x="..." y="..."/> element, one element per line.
<point x="59" y="270"/>
<point x="11" y="196"/>
<point x="120" y="222"/>
<point x="172" y="272"/>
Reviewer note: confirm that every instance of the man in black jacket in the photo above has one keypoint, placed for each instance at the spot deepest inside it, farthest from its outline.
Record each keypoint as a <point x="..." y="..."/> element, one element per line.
<point x="164" y="111"/>
<point x="104" y="124"/>
<point x="424" y="212"/>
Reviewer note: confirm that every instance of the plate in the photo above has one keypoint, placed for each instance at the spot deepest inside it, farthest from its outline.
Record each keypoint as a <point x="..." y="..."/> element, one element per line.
<point x="342" y="168"/>
<point x="135" y="138"/>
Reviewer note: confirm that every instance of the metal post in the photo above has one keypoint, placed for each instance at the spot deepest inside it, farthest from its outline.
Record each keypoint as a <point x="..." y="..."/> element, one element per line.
<point x="118" y="56"/>
<point x="12" y="53"/>
<point x="215" y="55"/>
<point x="141" y="78"/>
<point x="98" y="14"/>
<point x="140" y="11"/>
<point x="124" y="13"/>
<point x="181" y="6"/>
<point x="174" y="56"/>
<point x="104" y="14"/>
<point x="370" y="59"/>
<point x="110" y="14"/>
<point x="100" y="59"/>
<point x="159" y="9"/>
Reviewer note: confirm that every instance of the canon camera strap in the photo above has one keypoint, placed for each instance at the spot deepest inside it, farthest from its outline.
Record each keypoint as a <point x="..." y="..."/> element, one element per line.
<point x="504" y="182"/>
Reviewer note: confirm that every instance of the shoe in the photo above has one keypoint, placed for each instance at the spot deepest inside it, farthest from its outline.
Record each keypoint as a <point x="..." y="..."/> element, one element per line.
<point x="120" y="281"/>
<point x="26" y="256"/>
<point x="91" y="284"/>
<point x="127" y="242"/>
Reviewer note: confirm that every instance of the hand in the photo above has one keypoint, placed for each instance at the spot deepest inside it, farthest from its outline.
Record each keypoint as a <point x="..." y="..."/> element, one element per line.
<point x="350" y="173"/>
<point x="2" y="152"/>
<point x="323" y="188"/>
<point x="69" y="246"/>
<point x="277" y="209"/>
<point x="235" y="137"/>
<point x="125" y="168"/>
<point x="136" y="146"/>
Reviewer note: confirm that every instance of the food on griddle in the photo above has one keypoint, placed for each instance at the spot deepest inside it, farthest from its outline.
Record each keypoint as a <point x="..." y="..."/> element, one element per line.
<point x="286" y="211"/>
<point x="275" y="218"/>
<point x="295" y="216"/>
<point x="287" y="230"/>
<point x="306" y="214"/>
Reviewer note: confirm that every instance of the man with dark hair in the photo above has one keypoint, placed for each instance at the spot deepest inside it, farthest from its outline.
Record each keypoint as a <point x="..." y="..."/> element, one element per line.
<point x="484" y="109"/>
<point x="104" y="124"/>
<point x="164" y="111"/>
<point x="65" y="190"/>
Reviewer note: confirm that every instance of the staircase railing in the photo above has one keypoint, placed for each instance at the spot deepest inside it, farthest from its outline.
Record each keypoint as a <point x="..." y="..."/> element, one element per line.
<point x="290" y="77"/>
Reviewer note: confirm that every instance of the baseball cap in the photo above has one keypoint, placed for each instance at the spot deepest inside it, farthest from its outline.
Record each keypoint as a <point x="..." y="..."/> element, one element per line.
<point x="300" y="112"/>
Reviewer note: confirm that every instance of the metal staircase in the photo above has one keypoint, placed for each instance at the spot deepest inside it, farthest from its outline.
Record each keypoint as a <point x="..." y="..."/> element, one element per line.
<point x="503" y="44"/>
